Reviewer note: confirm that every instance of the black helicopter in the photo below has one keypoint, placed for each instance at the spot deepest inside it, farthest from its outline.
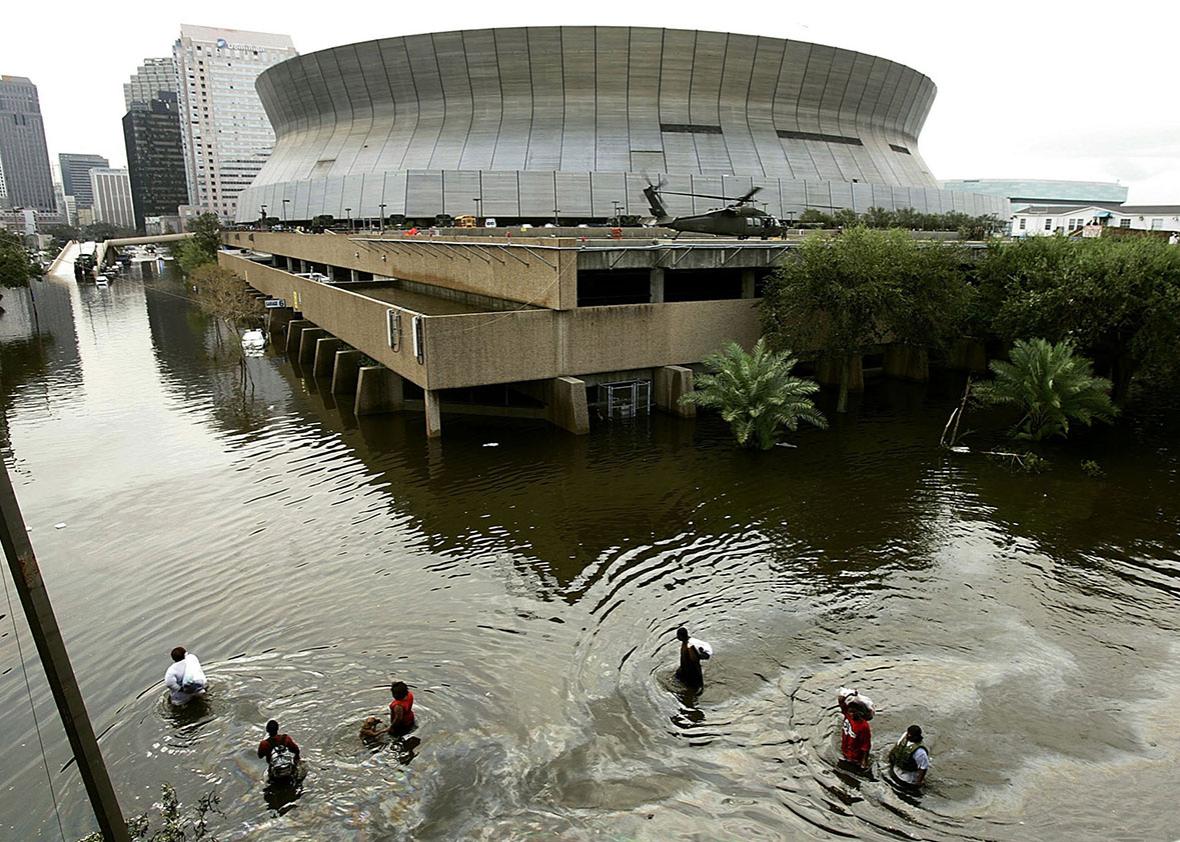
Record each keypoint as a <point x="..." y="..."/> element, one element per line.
<point x="739" y="219"/>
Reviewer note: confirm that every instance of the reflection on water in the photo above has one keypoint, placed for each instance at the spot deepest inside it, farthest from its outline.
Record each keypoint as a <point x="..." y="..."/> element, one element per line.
<point x="529" y="594"/>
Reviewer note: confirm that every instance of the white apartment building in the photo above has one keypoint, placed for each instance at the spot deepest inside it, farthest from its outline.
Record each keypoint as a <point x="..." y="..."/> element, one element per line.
<point x="112" y="197"/>
<point x="153" y="76"/>
<point x="224" y="130"/>
<point x="1089" y="220"/>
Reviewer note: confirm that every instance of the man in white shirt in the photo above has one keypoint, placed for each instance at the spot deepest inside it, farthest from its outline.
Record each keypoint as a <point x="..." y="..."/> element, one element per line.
<point x="909" y="759"/>
<point x="185" y="679"/>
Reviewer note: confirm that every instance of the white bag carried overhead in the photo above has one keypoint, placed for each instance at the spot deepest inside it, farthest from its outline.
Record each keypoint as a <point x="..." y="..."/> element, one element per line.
<point x="194" y="677"/>
<point x="852" y="697"/>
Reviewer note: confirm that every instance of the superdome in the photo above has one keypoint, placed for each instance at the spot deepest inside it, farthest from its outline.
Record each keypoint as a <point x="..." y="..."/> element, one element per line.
<point x="533" y="123"/>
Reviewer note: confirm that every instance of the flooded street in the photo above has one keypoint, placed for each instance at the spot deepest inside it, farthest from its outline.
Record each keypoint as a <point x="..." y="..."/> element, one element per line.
<point x="527" y="583"/>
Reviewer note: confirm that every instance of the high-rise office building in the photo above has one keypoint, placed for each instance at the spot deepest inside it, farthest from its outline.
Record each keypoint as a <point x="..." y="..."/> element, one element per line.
<point x="3" y="188"/>
<point x="24" y="156"/>
<point x="155" y="157"/>
<point x="75" y="175"/>
<point x="153" y="76"/>
<point x="224" y="130"/>
<point x="112" y="197"/>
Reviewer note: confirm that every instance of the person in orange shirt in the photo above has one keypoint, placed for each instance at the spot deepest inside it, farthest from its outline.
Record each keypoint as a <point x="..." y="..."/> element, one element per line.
<point x="401" y="710"/>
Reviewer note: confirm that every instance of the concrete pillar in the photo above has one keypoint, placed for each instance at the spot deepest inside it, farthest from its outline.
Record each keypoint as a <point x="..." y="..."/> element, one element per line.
<point x="672" y="382"/>
<point x="828" y="371"/>
<point x="277" y="319"/>
<point x="567" y="405"/>
<point x="325" y="356"/>
<point x="307" y="340"/>
<point x="290" y="264"/>
<point x="344" y="372"/>
<point x="747" y="283"/>
<point x="968" y="355"/>
<point x="295" y="335"/>
<point x="433" y="418"/>
<point x="352" y="276"/>
<point x="657" y="286"/>
<point x="906" y="362"/>
<point x="302" y="266"/>
<point x="331" y="273"/>
<point x="378" y="390"/>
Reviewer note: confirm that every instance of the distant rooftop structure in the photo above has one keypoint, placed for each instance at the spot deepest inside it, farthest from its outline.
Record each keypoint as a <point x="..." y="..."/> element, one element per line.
<point x="1040" y="191"/>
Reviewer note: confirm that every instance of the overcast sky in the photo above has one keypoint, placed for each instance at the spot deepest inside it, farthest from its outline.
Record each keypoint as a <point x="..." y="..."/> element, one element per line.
<point x="1070" y="90"/>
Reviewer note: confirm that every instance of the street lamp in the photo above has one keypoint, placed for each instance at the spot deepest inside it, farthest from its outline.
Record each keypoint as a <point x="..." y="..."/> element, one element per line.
<point x="262" y="222"/>
<point x="349" y="212"/>
<point x="382" y="207"/>
<point x="285" y="203"/>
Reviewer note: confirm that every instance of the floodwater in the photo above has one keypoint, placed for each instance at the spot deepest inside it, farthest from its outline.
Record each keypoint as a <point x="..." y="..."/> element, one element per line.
<point x="527" y="584"/>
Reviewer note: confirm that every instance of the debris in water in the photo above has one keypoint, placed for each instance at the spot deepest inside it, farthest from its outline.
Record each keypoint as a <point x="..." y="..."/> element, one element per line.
<point x="491" y="444"/>
<point x="61" y="525"/>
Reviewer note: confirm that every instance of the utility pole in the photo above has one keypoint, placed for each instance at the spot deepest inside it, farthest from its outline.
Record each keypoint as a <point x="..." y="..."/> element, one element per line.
<point x="56" y="663"/>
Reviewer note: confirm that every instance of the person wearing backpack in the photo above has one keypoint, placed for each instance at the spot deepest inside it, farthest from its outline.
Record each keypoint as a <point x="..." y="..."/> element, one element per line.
<point x="281" y="753"/>
<point x="909" y="758"/>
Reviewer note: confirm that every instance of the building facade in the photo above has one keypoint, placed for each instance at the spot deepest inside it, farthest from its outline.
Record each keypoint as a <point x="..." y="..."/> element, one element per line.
<point x="152" y="77"/>
<point x="225" y="133"/>
<point x="75" y="175"/>
<point x="1090" y="220"/>
<point x="155" y="157"/>
<point x="1024" y="192"/>
<point x="24" y="157"/>
<point x="532" y="124"/>
<point x="112" y="197"/>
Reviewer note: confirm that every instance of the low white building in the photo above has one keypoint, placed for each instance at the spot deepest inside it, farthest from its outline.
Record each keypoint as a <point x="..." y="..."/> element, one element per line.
<point x="1089" y="220"/>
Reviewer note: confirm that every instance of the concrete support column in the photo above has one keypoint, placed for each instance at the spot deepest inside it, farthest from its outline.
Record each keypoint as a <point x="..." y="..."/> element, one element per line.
<point x="309" y="336"/>
<point x="672" y="382"/>
<point x="344" y="372"/>
<point x="968" y="355"/>
<point x="277" y="319"/>
<point x="302" y="266"/>
<point x="906" y="362"/>
<point x="567" y="405"/>
<point x="331" y="273"/>
<point x="352" y="276"/>
<point x="747" y="283"/>
<point x="295" y="335"/>
<point x="657" y="286"/>
<point x="325" y="356"/>
<point x="378" y="390"/>
<point x="290" y="264"/>
<point x="433" y="415"/>
<point x="830" y="368"/>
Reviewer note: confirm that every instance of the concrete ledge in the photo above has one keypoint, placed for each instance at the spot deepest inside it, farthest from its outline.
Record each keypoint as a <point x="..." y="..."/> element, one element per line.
<point x="672" y="382"/>
<point x="344" y="372"/>
<point x="308" y="338"/>
<point x="295" y="335"/>
<point x="378" y="390"/>
<point x="325" y="356"/>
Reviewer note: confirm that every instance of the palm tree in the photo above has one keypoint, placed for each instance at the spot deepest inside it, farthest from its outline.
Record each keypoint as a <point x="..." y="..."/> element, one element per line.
<point x="1052" y="384"/>
<point x="756" y="393"/>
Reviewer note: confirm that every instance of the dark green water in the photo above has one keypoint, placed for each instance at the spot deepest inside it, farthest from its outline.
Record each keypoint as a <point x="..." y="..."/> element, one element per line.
<point x="528" y="592"/>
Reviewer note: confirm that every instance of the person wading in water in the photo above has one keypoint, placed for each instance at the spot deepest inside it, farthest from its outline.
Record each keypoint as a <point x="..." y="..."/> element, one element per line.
<point x="909" y="759"/>
<point x="692" y="652"/>
<point x="856" y="737"/>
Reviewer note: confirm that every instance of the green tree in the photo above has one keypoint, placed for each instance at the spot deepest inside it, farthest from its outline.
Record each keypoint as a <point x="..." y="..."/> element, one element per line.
<point x="1118" y="299"/>
<point x="849" y="293"/>
<point x="1052" y="384"/>
<point x="16" y="266"/>
<point x="61" y="235"/>
<point x="756" y="393"/>
<point x="100" y="231"/>
<point x="202" y="247"/>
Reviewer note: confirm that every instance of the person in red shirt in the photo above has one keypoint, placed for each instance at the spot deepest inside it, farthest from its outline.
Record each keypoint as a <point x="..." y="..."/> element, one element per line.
<point x="281" y="753"/>
<point x="856" y="737"/>
<point x="401" y="709"/>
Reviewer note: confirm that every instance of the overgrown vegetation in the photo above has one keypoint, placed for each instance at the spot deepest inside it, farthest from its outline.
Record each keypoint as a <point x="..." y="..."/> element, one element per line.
<point x="1052" y="386"/>
<point x="852" y="292"/>
<point x="756" y="394"/>
<point x="202" y="247"/>
<point x="172" y="823"/>
<point x="966" y="226"/>
<point x="17" y="267"/>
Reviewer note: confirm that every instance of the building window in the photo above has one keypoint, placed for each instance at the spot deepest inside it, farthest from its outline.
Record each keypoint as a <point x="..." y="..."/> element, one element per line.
<point x="1157" y="224"/>
<point x="1022" y="221"/>
<point x="827" y="138"/>
<point x="1049" y="224"/>
<point x="1125" y="222"/>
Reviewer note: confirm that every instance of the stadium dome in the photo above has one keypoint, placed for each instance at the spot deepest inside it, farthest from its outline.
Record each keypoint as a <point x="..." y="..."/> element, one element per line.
<point x="526" y="124"/>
